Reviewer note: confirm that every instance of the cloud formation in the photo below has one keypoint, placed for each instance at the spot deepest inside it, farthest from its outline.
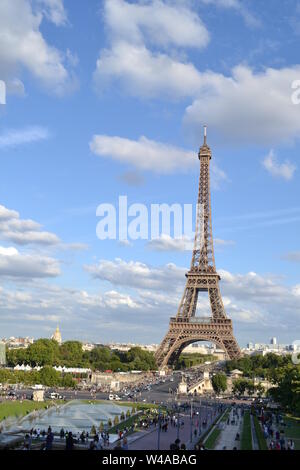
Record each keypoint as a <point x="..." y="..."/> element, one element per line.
<point x="251" y="299"/>
<point x="160" y="23"/>
<point x="23" y="231"/>
<point x="284" y="170"/>
<point x="23" y="46"/>
<point x="14" y="264"/>
<point x="242" y="105"/>
<point x="15" y="137"/>
<point x="149" y="155"/>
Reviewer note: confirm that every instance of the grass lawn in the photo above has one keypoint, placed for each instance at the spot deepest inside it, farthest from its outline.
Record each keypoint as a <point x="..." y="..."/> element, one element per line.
<point x="246" y="440"/>
<point x="212" y="439"/>
<point x="292" y="430"/>
<point x="19" y="409"/>
<point x="262" y="443"/>
<point x="224" y="418"/>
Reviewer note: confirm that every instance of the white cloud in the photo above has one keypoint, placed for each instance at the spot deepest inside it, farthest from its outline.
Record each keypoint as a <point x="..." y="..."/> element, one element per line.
<point x="167" y="243"/>
<point x="157" y="22"/>
<point x="250" y="19"/>
<point x="15" y="137"/>
<point x="54" y="11"/>
<point x="244" y="107"/>
<point x="10" y="251"/>
<point x="22" y="45"/>
<point x="135" y="26"/>
<point x="21" y="231"/>
<point x="252" y="300"/>
<point x="16" y="265"/>
<point x="136" y="274"/>
<point x="241" y="106"/>
<point x="146" y="74"/>
<point x="284" y="170"/>
<point x="142" y="300"/>
<point x="146" y="154"/>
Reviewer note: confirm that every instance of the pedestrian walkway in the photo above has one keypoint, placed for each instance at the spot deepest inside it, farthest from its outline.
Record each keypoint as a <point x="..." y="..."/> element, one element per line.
<point x="230" y="428"/>
<point x="149" y="441"/>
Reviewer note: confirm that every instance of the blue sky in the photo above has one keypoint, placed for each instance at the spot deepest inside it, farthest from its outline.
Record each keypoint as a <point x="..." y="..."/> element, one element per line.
<point x="108" y="98"/>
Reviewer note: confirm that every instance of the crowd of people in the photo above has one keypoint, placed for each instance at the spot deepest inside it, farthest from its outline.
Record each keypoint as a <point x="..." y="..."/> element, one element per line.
<point x="274" y="431"/>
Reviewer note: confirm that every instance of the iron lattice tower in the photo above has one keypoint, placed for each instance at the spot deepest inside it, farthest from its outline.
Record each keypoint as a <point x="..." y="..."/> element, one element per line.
<point x="186" y="327"/>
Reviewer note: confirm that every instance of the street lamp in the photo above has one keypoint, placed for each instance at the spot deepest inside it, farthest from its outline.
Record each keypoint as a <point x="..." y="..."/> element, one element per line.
<point x="191" y="418"/>
<point x="158" y="431"/>
<point x="200" y="417"/>
<point x="178" y="419"/>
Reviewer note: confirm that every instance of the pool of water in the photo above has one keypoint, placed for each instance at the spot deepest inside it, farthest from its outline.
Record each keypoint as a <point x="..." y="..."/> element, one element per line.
<point x="75" y="416"/>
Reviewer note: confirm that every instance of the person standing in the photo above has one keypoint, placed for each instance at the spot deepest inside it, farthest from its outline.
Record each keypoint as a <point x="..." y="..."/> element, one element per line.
<point x="70" y="441"/>
<point x="49" y="440"/>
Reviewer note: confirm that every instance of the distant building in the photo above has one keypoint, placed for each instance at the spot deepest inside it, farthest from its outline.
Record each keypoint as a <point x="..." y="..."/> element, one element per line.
<point x="196" y="348"/>
<point x="127" y="346"/>
<point x="88" y="346"/>
<point x="273" y="341"/>
<point x="236" y="374"/>
<point x="202" y="385"/>
<point x="57" y="336"/>
<point x="15" y="343"/>
<point x="2" y="354"/>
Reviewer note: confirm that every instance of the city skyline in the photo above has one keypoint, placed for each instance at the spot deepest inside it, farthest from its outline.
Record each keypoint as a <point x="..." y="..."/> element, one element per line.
<point x="117" y="108"/>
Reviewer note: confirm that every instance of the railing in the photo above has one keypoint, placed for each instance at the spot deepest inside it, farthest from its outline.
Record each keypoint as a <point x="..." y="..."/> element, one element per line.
<point x="200" y="320"/>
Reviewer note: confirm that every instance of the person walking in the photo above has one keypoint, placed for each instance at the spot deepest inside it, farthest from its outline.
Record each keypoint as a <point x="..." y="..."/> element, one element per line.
<point x="125" y="444"/>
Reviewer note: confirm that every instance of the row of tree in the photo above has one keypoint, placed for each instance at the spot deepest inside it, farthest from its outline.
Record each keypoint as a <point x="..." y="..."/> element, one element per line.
<point x="279" y="370"/>
<point x="185" y="361"/>
<point x="46" y="352"/>
<point x="46" y="376"/>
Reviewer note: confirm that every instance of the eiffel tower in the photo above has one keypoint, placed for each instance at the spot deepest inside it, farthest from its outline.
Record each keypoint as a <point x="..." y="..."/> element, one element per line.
<point x="186" y="327"/>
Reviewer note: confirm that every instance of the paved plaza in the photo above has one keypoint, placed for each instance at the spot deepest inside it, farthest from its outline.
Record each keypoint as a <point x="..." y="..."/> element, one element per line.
<point x="230" y="428"/>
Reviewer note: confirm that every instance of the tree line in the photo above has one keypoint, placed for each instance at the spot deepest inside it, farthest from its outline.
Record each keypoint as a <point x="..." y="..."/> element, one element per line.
<point x="279" y="370"/>
<point x="46" y="376"/>
<point x="47" y="352"/>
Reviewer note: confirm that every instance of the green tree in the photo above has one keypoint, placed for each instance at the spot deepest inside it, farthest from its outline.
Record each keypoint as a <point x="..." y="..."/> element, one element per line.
<point x="239" y="386"/>
<point x="68" y="381"/>
<point x="219" y="383"/>
<point x="49" y="376"/>
<point x="116" y="420"/>
<point x="287" y="391"/>
<point x="43" y="352"/>
<point x="93" y="431"/>
<point x="259" y="389"/>
<point x="71" y="354"/>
